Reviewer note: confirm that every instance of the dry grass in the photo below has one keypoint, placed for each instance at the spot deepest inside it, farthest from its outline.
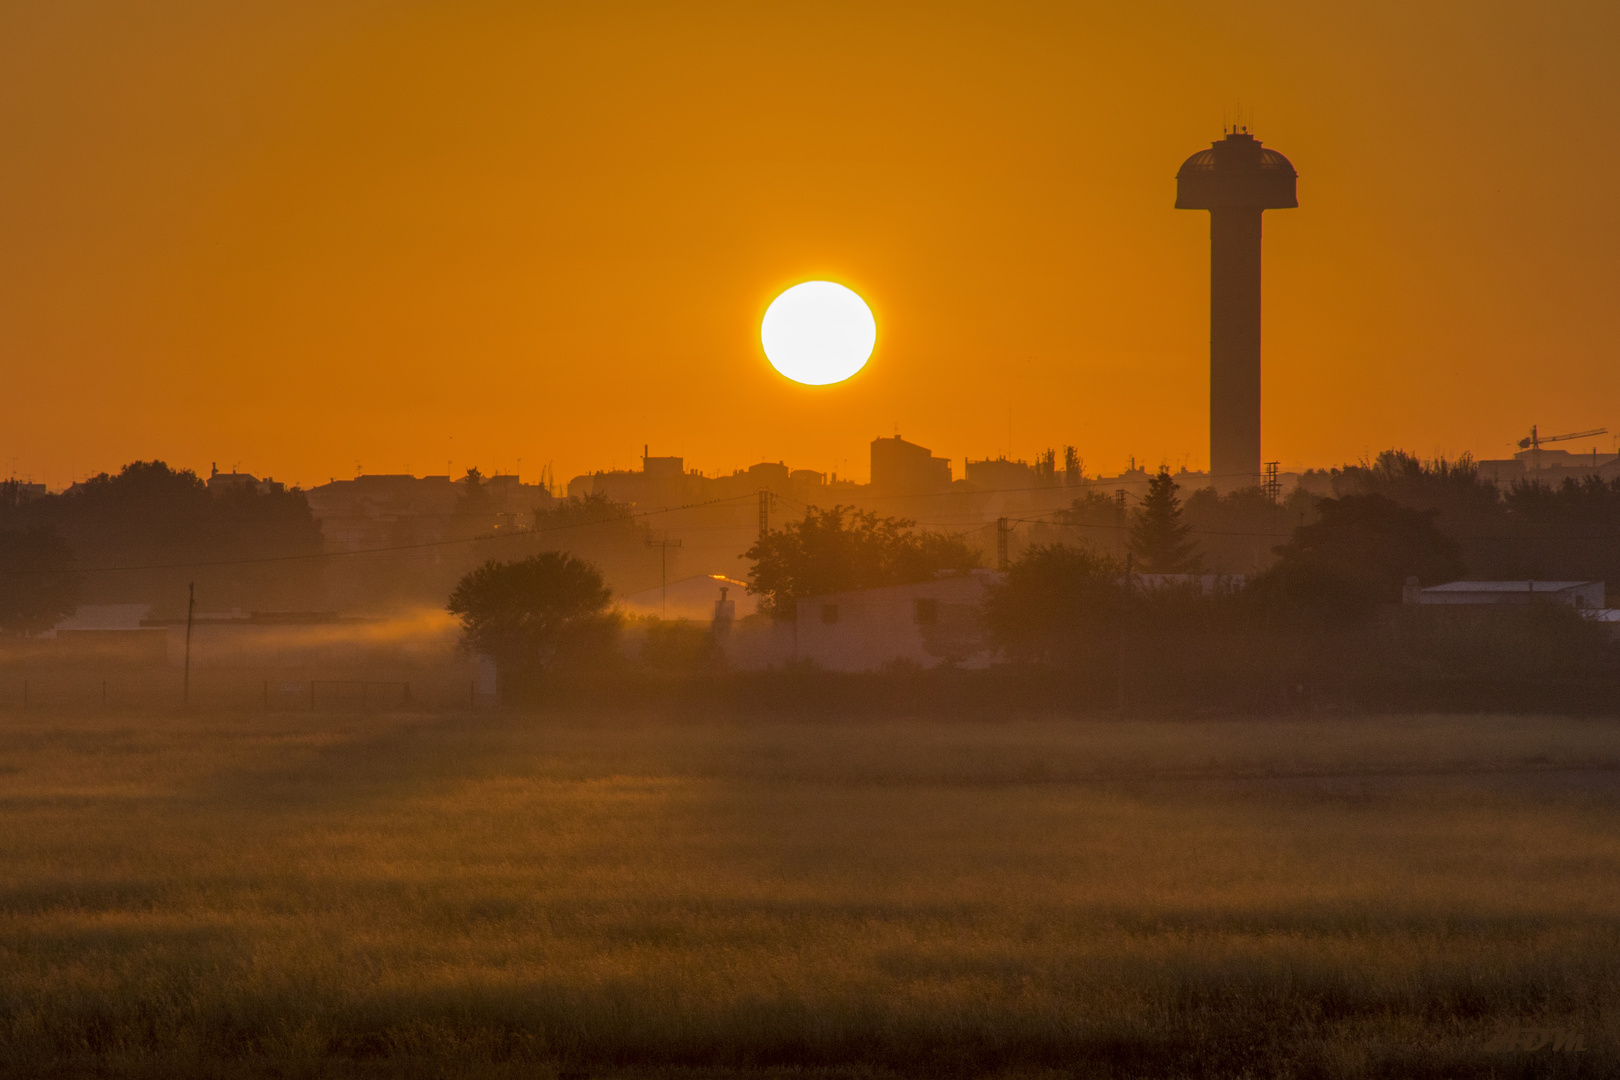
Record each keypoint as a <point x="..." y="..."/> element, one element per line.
<point x="298" y="896"/>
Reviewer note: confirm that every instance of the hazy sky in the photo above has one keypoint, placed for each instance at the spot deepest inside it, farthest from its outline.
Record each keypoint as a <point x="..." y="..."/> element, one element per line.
<point x="300" y="236"/>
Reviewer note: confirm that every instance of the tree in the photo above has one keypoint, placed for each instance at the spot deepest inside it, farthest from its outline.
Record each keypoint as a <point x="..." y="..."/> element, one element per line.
<point x="844" y="548"/>
<point x="1454" y="489"/>
<point x="607" y="534"/>
<point x="1159" y="538"/>
<point x="1238" y="530"/>
<point x="1355" y="558"/>
<point x="38" y="586"/>
<point x="475" y="510"/>
<point x="158" y="522"/>
<point x="682" y="647"/>
<point x="533" y="615"/>
<point x="1057" y="604"/>
<point x="579" y="511"/>
<point x="1094" y="520"/>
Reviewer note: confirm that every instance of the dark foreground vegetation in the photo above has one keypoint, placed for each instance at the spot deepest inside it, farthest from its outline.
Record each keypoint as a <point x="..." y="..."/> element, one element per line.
<point x="1071" y="627"/>
<point x="545" y="894"/>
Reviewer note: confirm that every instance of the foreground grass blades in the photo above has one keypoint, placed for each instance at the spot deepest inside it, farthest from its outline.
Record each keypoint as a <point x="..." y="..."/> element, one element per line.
<point x="551" y="894"/>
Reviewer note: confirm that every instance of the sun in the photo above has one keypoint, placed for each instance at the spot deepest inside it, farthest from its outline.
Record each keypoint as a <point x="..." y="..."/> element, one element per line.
<point x="818" y="333"/>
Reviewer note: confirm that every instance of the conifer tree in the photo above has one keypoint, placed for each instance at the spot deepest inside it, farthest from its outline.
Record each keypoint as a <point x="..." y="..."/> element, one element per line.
<point x="1160" y="540"/>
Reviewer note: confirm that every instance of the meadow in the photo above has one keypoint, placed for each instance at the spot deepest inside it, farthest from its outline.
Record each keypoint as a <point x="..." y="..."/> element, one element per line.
<point x="600" y="895"/>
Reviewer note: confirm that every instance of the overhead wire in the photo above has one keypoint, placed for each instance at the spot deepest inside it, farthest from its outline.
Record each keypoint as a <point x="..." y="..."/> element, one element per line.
<point x="424" y="545"/>
<point x="636" y="516"/>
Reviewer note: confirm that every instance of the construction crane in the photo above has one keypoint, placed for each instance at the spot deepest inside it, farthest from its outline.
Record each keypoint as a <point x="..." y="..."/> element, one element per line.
<point x="1534" y="441"/>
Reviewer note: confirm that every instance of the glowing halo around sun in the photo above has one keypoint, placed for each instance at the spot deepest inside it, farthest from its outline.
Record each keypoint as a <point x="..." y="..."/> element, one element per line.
<point x="818" y="333"/>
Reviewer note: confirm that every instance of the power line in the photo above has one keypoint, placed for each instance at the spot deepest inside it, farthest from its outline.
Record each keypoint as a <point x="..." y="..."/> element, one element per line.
<point x="307" y="556"/>
<point x="1226" y="532"/>
<point x="1103" y="481"/>
<point x="955" y="526"/>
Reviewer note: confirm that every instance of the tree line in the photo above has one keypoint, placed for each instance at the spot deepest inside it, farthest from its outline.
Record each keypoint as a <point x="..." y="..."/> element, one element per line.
<point x="1323" y="612"/>
<point x="1322" y="605"/>
<point x="145" y="533"/>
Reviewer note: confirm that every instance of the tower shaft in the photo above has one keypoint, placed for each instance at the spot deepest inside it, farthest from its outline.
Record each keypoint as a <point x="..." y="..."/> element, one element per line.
<point x="1236" y="180"/>
<point x="1234" y="346"/>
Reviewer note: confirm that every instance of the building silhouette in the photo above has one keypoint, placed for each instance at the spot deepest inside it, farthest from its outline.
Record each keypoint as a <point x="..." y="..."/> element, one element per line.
<point x="999" y="474"/>
<point x="227" y="481"/>
<point x="1236" y="180"/>
<point x="903" y="467"/>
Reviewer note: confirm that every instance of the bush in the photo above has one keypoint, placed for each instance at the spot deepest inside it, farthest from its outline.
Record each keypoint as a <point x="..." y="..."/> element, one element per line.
<point x="534" y="615"/>
<point x="38" y="586"/>
<point x="681" y="647"/>
<point x="1058" y="604"/>
<point x="842" y="549"/>
<point x="1353" y="561"/>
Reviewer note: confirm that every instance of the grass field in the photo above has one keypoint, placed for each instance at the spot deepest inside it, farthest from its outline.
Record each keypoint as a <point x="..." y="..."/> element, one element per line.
<point x="535" y="896"/>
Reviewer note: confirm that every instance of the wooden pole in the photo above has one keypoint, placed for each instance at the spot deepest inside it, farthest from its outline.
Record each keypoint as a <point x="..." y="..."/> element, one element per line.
<point x="191" y="607"/>
<point x="1124" y="619"/>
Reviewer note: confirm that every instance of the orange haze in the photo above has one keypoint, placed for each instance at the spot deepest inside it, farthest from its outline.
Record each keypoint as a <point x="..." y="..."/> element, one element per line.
<point x="298" y="236"/>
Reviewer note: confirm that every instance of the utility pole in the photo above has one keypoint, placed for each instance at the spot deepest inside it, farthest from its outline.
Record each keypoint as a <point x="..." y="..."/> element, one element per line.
<point x="764" y="513"/>
<point x="1124" y="621"/>
<point x="1272" y="483"/>
<point x="663" y="588"/>
<point x="1003" y="533"/>
<point x="191" y="607"/>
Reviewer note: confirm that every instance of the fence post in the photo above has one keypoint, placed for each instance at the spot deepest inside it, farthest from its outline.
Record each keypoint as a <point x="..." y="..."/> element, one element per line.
<point x="25" y="695"/>
<point x="472" y="693"/>
<point x="312" y="695"/>
<point x="267" y="695"/>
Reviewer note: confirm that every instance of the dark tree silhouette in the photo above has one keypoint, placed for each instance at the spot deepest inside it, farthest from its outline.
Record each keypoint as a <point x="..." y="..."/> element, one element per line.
<point x="534" y="615"/>
<point x="578" y="511"/>
<point x="1355" y="558"/>
<point x="605" y="533"/>
<point x="676" y="646"/>
<point x="1159" y="538"/>
<point x="844" y="548"/>
<point x="1453" y="489"/>
<point x="474" y="501"/>
<point x="475" y="509"/>
<point x="1057" y="604"/>
<point x="38" y="586"/>
<point x="156" y="520"/>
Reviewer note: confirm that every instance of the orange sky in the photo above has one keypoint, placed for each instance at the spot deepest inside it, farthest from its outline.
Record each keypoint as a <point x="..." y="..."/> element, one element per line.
<point x="297" y="236"/>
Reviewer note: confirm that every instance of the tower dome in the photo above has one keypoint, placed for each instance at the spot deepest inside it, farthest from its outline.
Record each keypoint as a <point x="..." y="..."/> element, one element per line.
<point x="1236" y="172"/>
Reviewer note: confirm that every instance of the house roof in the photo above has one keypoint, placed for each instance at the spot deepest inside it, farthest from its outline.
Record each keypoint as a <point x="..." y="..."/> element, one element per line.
<point x="1508" y="586"/>
<point x="946" y="585"/>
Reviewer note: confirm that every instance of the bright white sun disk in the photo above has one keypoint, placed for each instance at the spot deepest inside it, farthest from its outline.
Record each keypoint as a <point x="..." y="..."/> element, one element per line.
<point x="818" y="333"/>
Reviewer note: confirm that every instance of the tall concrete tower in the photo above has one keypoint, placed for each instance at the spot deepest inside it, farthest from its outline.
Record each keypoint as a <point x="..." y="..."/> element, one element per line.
<point x="1235" y="180"/>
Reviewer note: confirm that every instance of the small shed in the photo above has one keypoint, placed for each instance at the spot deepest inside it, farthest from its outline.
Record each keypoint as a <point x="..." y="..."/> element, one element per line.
<point x="1576" y="594"/>
<point x="929" y="623"/>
